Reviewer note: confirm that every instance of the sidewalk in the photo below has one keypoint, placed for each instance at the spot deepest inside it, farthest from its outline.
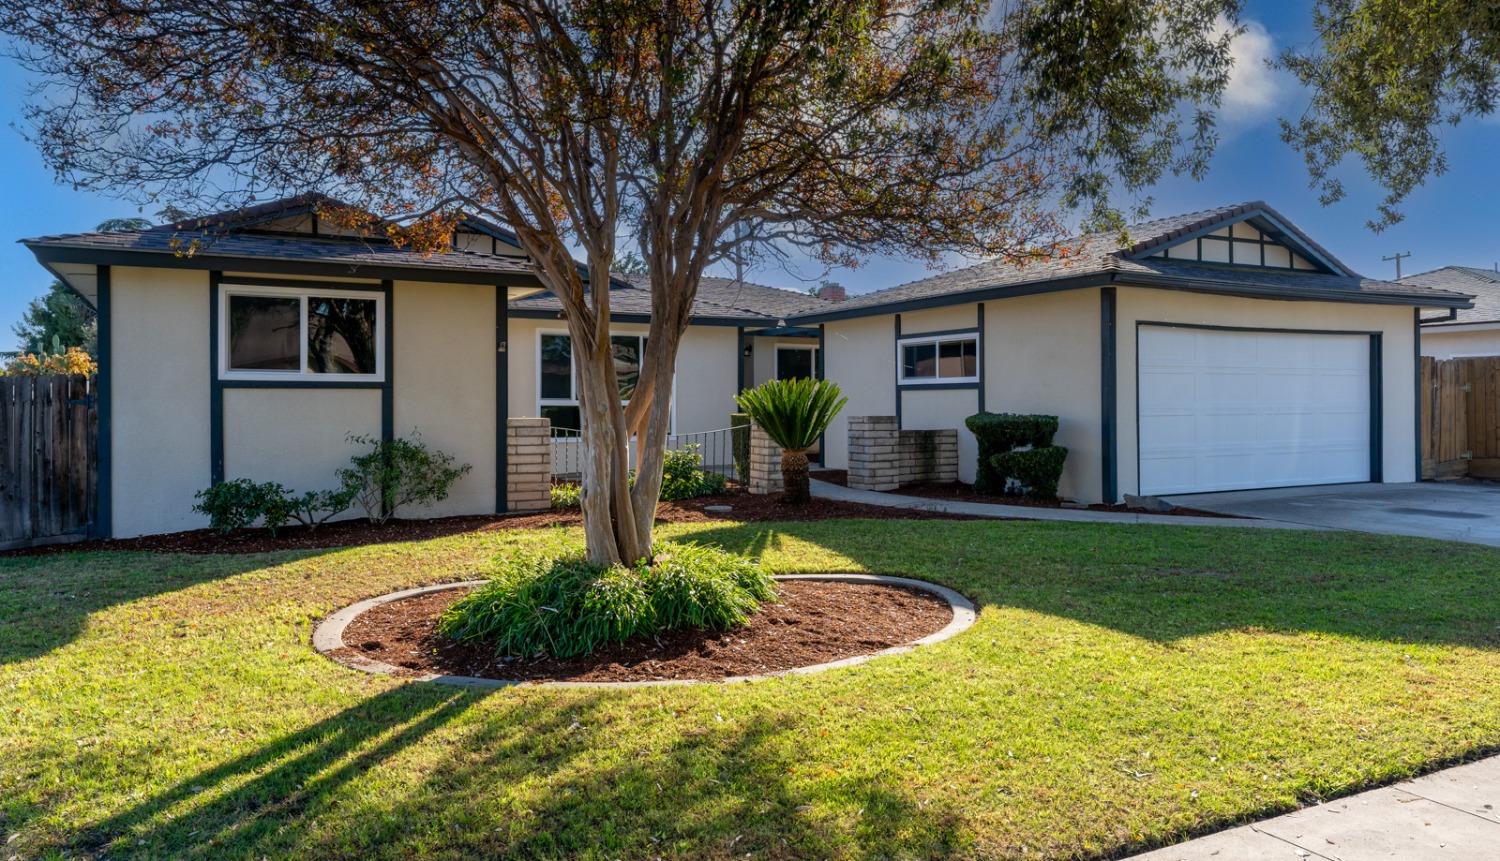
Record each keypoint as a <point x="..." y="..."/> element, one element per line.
<point x="1452" y="814"/>
<point x="827" y="490"/>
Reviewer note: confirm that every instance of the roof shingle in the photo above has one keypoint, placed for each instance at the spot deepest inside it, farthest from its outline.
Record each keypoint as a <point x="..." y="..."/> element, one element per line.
<point x="1482" y="284"/>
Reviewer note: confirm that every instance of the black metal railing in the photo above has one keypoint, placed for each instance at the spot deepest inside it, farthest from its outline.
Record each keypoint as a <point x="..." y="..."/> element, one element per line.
<point x="715" y="449"/>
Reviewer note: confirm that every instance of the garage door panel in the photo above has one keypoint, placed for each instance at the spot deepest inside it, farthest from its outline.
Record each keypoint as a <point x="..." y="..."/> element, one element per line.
<point x="1229" y="410"/>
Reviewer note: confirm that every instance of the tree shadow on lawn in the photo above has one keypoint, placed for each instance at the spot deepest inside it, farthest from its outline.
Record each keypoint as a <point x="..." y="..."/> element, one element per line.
<point x="46" y="601"/>
<point x="1165" y="583"/>
<point x="537" y="776"/>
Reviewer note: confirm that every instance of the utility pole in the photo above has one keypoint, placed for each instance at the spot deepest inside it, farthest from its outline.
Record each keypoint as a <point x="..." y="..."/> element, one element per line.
<point x="1397" y="258"/>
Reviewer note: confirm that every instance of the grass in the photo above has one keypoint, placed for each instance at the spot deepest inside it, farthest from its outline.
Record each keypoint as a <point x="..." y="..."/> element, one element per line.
<point x="1123" y="686"/>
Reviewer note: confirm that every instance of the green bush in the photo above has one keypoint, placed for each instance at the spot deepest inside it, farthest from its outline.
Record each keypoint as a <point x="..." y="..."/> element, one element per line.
<point x="683" y="478"/>
<point x="998" y="433"/>
<point x="739" y="440"/>
<point x="396" y="473"/>
<point x="569" y="607"/>
<point x="240" y="503"/>
<point x="1037" y="469"/>
<point x="314" y="507"/>
<point x="567" y="495"/>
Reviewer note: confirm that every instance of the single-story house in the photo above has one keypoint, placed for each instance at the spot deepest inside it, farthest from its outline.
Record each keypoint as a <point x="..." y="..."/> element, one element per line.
<point x="1462" y="332"/>
<point x="1220" y="350"/>
<point x="259" y="353"/>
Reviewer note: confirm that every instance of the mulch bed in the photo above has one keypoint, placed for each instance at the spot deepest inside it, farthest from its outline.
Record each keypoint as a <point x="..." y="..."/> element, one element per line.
<point x="957" y="491"/>
<point x="812" y="623"/>
<point x="352" y="533"/>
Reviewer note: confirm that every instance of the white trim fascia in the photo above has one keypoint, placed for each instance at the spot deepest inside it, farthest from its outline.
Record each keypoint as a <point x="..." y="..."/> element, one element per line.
<point x="1438" y="328"/>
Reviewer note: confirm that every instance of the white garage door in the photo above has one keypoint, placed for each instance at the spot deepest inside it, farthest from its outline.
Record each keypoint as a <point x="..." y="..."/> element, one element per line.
<point x="1231" y="410"/>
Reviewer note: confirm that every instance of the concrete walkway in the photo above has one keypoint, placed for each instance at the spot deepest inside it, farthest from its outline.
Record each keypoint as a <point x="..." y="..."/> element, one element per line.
<point x="1449" y="510"/>
<point x="827" y="490"/>
<point x="1452" y="815"/>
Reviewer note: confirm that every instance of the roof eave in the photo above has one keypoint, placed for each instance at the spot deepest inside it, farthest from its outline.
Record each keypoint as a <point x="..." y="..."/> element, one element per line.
<point x="1302" y="294"/>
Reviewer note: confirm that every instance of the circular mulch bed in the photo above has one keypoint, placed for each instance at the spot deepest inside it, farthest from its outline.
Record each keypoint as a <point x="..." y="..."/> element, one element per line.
<point x="819" y="621"/>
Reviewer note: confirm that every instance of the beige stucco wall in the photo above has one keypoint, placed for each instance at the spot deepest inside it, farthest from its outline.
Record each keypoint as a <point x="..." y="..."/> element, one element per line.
<point x="1042" y="356"/>
<point x="707" y="371"/>
<point x="859" y="355"/>
<point x="298" y="437"/>
<point x="1441" y="343"/>
<point x="159" y="370"/>
<point x="444" y="353"/>
<point x="1398" y="370"/>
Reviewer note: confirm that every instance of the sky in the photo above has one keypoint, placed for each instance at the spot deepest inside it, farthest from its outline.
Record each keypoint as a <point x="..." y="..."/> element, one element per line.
<point x="1453" y="220"/>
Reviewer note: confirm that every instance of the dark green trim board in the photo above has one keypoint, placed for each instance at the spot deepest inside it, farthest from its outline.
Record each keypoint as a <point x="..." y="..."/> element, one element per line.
<point x="896" y="369"/>
<point x="740" y="359"/>
<point x="1029" y="288"/>
<point x="941" y="333"/>
<point x="1109" y="396"/>
<point x="979" y="324"/>
<point x="818" y="372"/>
<point x="550" y="314"/>
<point x="215" y="385"/>
<point x="295" y="283"/>
<point x="937" y="387"/>
<point x="104" y="391"/>
<point x="1377" y="411"/>
<point x="502" y="400"/>
<point x="388" y="385"/>
<point x="1416" y="358"/>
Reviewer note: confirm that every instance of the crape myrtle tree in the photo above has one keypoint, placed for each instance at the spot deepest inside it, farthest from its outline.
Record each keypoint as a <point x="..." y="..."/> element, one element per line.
<point x="691" y="130"/>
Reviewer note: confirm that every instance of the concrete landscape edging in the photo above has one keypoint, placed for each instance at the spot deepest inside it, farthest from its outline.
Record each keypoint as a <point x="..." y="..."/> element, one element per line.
<point x="328" y="637"/>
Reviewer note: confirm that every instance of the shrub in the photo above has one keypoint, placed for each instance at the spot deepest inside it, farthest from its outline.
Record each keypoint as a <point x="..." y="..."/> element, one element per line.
<point x="567" y="495"/>
<point x="793" y="413"/>
<point x="1036" y="469"/>
<point x="998" y="433"/>
<point x="682" y="477"/>
<point x="314" y="507"/>
<point x="739" y="440"/>
<point x="72" y="361"/>
<point x="238" y="504"/>
<point x="396" y="473"/>
<point x="568" y="607"/>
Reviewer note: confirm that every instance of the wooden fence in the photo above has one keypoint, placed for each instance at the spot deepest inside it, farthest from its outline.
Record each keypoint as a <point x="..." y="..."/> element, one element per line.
<point x="1461" y="418"/>
<point x="48" y="459"/>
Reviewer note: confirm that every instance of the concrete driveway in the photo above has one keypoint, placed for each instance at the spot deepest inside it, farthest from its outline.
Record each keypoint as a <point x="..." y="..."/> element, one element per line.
<point x="1451" y="510"/>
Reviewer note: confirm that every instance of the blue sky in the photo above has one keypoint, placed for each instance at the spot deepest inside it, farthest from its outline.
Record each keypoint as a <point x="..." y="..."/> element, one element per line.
<point x="1452" y="220"/>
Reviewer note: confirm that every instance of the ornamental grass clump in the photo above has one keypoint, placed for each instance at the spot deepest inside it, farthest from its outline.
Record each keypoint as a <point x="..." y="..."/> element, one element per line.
<point x="568" y="606"/>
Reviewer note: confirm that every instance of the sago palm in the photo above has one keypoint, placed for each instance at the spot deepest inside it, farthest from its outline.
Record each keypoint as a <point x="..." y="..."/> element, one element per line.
<point x="793" y="413"/>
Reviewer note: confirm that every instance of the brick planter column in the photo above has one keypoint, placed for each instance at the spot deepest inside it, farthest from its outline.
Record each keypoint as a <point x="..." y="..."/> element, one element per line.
<point x="765" y="463"/>
<point x="929" y="455"/>
<point x="874" y="452"/>
<point x="528" y="464"/>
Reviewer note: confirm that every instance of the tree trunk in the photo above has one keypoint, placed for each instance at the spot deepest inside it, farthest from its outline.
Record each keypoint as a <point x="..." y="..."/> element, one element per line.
<point x="609" y="522"/>
<point x="794" y="478"/>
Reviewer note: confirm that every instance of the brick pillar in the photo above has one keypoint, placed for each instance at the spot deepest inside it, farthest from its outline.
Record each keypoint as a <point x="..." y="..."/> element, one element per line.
<point x="874" y="452"/>
<point x="528" y="464"/>
<point x="928" y="455"/>
<point x="765" y="463"/>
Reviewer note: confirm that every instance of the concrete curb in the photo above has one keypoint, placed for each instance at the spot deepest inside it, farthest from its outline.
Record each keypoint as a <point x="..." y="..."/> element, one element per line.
<point x="329" y="636"/>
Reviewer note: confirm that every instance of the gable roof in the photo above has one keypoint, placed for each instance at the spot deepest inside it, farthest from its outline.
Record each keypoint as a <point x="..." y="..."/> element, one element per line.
<point x="719" y="300"/>
<point x="1101" y="258"/>
<point x="1482" y="284"/>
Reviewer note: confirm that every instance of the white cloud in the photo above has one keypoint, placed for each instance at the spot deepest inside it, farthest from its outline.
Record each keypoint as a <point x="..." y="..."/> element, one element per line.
<point x="1255" y="90"/>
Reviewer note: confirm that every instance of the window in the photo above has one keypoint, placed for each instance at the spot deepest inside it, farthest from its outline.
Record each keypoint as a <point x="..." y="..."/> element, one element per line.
<point x="944" y="359"/>
<point x="273" y="333"/>
<point x="557" y="393"/>
<point x="796" y="362"/>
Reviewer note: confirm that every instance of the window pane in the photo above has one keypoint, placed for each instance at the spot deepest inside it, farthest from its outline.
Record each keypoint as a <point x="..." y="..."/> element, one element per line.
<point x="263" y="333"/>
<point x="919" y="361"/>
<point x="957" y="359"/>
<point x="971" y="358"/>
<point x="340" y="335"/>
<point x="557" y="368"/>
<point x="793" y="364"/>
<point x="627" y="354"/>
<point x="563" y="417"/>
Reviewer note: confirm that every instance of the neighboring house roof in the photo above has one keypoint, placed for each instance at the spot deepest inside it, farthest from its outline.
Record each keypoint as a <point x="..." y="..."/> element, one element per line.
<point x="1101" y="258"/>
<point x="1482" y="284"/>
<point x="719" y="300"/>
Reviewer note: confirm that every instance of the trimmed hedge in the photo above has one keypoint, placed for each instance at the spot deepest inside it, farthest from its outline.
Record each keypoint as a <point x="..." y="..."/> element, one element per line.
<point x="1037" y="469"/>
<point x="568" y="607"/>
<point x="998" y="433"/>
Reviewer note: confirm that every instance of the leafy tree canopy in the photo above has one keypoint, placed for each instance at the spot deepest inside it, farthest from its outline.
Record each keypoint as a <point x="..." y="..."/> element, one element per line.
<point x="1386" y="76"/>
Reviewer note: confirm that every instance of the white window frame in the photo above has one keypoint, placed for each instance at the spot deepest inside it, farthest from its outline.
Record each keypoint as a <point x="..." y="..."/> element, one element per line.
<point x="573" y="402"/>
<point x="776" y="360"/>
<point x="937" y="341"/>
<point x="304" y="374"/>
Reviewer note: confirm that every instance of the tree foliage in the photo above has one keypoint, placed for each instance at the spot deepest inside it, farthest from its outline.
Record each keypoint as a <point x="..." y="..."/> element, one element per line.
<point x="57" y="319"/>
<point x="1386" y="76"/>
<point x="695" y="130"/>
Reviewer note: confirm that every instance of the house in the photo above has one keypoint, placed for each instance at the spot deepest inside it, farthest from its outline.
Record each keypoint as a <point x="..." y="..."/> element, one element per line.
<point x="1219" y="350"/>
<point x="1468" y="332"/>
<point x="259" y="353"/>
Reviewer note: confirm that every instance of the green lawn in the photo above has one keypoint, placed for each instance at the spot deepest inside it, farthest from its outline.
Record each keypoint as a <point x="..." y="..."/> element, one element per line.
<point x="1123" y="686"/>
